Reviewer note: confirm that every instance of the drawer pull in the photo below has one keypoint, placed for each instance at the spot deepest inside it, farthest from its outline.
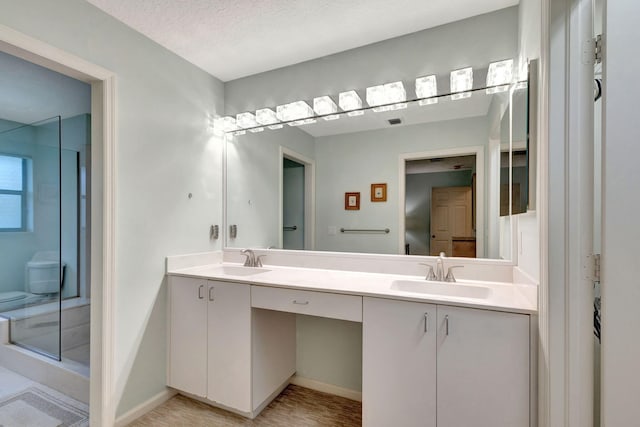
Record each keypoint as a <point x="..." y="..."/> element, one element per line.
<point x="300" y="302"/>
<point x="200" y="288"/>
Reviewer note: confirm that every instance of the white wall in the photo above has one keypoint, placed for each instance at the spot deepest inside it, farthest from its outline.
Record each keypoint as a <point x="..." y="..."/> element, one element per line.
<point x="621" y="202"/>
<point x="165" y="150"/>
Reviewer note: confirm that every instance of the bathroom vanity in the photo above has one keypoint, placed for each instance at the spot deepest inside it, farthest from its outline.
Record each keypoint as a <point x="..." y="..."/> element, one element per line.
<point x="434" y="354"/>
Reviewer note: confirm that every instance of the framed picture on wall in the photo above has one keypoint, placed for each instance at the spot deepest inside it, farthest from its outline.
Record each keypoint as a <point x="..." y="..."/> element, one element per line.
<point x="379" y="192"/>
<point x="352" y="201"/>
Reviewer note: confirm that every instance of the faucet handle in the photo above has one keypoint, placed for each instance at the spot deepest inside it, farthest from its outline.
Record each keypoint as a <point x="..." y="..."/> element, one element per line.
<point x="431" y="276"/>
<point x="249" y="261"/>
<point x="450" y="277"/>
<point x="259" y="261"/>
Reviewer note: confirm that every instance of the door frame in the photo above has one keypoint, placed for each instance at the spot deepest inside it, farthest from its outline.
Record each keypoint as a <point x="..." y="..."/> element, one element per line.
<point x="103" y="209"/>
<point x="309" y="195"/>
<point x="477" y="151"/>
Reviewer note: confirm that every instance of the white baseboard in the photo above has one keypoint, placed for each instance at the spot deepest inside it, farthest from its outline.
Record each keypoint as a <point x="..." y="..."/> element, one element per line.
<point x="326" y="388"/>
<point x="148" y="406"/>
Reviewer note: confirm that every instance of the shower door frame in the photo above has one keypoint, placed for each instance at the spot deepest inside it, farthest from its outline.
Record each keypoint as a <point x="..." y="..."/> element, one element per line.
<point x="103" y="140"/>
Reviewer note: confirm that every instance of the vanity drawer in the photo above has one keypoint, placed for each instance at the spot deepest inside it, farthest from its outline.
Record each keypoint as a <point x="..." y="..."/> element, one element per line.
<point x="323" y="304"/>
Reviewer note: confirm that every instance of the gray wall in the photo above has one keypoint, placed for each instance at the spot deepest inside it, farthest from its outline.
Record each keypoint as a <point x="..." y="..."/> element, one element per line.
<point x="418" y="205"/>
<point x="471" y="42"/>
<point x="165" y="150"/>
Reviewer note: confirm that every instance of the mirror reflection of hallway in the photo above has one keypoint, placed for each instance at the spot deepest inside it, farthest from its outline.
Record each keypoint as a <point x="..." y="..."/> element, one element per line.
<point x="293" y="200"/>
<point x="440" y="206"/>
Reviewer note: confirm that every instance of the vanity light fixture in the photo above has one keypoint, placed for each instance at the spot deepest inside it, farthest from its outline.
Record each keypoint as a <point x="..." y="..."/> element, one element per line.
<point x="350" y="101"/>
<point x="298" y="113"/>
<point x="267" y="117"/>
<point x="379" y="97"/>
<point x="461" y="83"/>
<point x="324" y="106"/>
<point x="229" y="124"/>
<point x="248" y="121"/>
<point x="499" y="76"/>
<point x="427" y="89"/>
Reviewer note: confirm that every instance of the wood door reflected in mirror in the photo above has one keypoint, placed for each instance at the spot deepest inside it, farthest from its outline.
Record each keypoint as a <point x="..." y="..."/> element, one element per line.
<point x="450" y="218"/>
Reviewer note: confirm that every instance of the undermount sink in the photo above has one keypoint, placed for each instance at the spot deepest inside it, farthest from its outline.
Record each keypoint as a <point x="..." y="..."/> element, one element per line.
<point x="237" y="270"/>
<point x="444" y="289"/>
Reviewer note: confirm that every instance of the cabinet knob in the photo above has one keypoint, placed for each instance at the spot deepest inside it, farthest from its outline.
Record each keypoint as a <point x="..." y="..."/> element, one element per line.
<point x="200" y="289"/>
<point x="446" y="324"/>
<point x="211" y="298"/>
<point x="426" y="322"/>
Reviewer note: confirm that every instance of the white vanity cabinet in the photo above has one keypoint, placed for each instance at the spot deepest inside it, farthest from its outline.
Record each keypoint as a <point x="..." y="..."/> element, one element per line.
<point x="398" y="363"/>
<point x="435" y="365"/>
<point x="210" y="340"/>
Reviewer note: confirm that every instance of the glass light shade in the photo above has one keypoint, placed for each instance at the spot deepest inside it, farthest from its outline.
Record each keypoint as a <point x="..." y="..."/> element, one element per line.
<point x="294" y="111"/>
<point x="266" y="116"/>
<point x="229" y="124"/>
<point x="390" y="93"/>
<point x="461" y="83"/>
<point x="350" y="101"/>
<point x="499" y="75"/>
<point x="246" y="120"/>
<point x="427" y="89"/>
<point x="324" y="106"/>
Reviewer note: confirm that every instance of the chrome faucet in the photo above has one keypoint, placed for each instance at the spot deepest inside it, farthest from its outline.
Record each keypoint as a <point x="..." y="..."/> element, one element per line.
<point x="440" y="267"/>
<point x="439" y="275"/>
<point x="252" y="260"/>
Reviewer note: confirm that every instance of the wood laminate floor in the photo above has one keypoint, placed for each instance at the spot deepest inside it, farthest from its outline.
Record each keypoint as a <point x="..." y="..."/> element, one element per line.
<point x="295" y="406"/>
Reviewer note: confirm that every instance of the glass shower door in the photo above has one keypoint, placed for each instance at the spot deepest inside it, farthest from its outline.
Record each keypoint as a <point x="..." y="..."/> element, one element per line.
<point x="31" y="272"/>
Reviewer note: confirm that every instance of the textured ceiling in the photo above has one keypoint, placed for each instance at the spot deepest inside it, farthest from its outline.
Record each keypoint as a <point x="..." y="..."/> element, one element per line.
<point x="236" y="38"/>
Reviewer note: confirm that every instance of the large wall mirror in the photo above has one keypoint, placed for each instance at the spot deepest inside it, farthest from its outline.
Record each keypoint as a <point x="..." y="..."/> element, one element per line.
<point x="431" y="174"/>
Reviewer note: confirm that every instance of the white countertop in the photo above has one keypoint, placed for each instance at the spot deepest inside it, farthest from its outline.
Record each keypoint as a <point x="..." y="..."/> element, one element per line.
<point x="507" y="297"/>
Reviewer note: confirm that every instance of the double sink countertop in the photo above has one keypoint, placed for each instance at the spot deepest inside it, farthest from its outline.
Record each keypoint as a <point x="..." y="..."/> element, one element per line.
<point x="498" y="296"/>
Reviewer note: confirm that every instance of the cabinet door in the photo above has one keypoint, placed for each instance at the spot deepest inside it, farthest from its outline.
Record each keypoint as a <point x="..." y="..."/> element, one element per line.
<point x="229" y="329"/>
<point x="187" y="335"/>
<point x="483" y="368"/>
<point x="398" y="363"/>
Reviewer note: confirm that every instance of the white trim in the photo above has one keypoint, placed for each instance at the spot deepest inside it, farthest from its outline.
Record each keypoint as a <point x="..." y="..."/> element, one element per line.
<point x="542" y="201"/>
<point x="309" y="196"/>
<point x="145" y="407"/>
<point x="326" y="388"/>
<point x="477" y="151"/>
<point x="103" y="213"/>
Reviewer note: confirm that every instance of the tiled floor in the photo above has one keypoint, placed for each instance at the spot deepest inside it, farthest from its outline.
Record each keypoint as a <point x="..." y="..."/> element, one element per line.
<point x="12" y="384"/>
<point x="295" y="407"/>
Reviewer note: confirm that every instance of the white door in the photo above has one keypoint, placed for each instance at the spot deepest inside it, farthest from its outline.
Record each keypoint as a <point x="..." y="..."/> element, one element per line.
<point x="398" y="363"/>
<point x="229" y="328"/>
<point x="483" y="368"/>
<point x="188" y="335"/>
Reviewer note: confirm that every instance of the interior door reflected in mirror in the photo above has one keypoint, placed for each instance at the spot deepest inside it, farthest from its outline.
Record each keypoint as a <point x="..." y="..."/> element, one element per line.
<point x="443" y="167"/>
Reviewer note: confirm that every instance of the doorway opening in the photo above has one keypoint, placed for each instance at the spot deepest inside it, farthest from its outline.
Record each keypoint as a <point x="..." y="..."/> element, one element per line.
<point x="441" y="198"/>
<point x="297" y="208"/>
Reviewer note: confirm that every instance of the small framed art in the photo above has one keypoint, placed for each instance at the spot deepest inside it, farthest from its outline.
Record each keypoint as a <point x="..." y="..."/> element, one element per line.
<point x="352" y="201"/>
<point x="379" y="192"/>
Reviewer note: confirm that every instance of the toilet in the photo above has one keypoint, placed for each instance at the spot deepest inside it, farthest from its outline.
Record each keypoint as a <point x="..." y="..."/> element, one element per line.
<point x="43" y="275"/>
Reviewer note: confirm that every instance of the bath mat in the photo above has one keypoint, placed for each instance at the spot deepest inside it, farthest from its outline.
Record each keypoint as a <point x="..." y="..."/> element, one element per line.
<point x="33" y="407"/>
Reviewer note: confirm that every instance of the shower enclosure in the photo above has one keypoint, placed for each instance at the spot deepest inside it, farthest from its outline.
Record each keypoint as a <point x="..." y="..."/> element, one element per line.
<point x="43" y="235"/>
